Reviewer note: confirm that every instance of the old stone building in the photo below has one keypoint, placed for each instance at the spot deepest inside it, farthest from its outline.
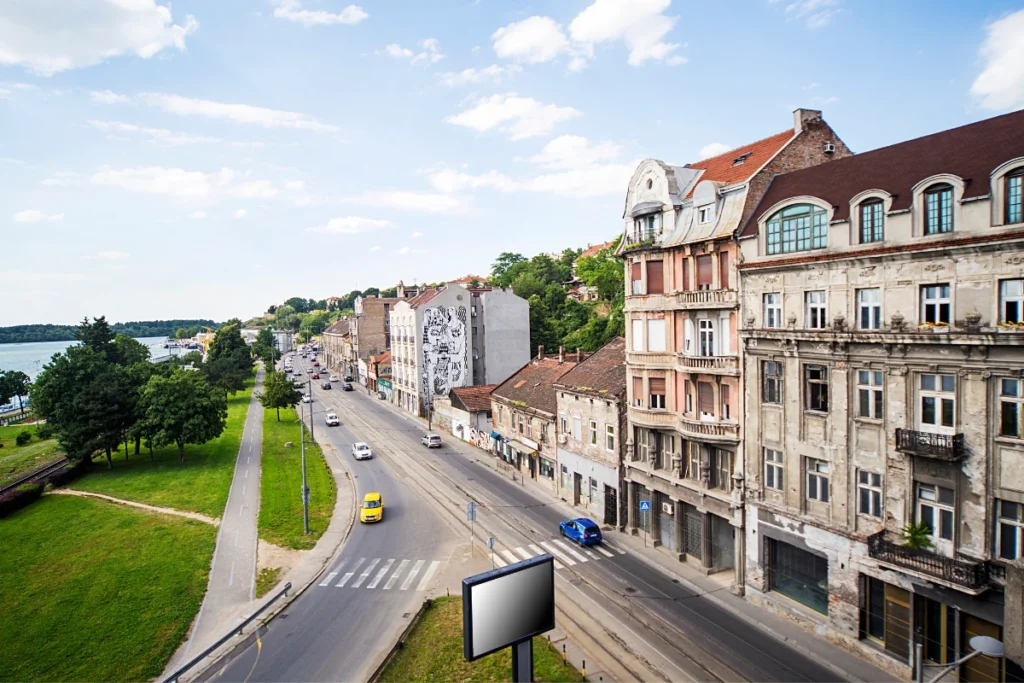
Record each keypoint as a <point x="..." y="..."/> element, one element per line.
<point x="683" y="474"/>
<point x="883" y="335"/>
<point x="369" y="332"/>
<point x="332" y="349"/>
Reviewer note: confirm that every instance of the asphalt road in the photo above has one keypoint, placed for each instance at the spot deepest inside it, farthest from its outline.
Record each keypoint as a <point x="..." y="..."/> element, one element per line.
<point x="340" y="626"/>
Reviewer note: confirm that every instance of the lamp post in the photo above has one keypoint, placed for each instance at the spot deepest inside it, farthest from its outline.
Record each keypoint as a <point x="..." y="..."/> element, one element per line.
<point x="982" y="645"/>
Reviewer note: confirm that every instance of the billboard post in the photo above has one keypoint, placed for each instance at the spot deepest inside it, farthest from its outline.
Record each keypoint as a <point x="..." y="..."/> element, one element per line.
<point x="522" y="661"/>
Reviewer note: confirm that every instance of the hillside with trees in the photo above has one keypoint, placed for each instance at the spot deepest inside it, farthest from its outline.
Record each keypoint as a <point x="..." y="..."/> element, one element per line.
<point x="20" y="334"/>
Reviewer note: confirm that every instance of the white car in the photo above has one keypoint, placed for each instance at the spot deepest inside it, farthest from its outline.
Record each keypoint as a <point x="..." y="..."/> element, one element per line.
<point x="306" y="398"/>
<point x="332" y="420"/>
<point x="431" y="441"/>
<point x="333" y="378"/>
<point x="361" y="451"/>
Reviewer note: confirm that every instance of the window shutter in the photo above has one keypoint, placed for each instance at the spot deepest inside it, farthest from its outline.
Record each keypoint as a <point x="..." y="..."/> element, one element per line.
<point x="655" y="277"/>
<point x="685" y="270"/>
<point x="723" y="269"/>
<point x="657" y="385"/>
<point x="706" y="398"/>
<point x="635" y="268"/>
<point x="725" y="394"/>
<point x="638" y="387"/>
<point x="704" y="270"/>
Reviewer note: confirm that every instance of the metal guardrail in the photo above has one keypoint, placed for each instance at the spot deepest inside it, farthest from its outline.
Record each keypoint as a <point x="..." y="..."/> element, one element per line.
<point x="39" y="472"/>
<point x="237" y="631"/>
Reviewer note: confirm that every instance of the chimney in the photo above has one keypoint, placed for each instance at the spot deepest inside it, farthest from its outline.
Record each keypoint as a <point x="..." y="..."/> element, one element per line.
<point x="540" y="351"/>
<point x="801" y="117"/>
<point x="579" y="355"/>
<point x="561" y="354"/>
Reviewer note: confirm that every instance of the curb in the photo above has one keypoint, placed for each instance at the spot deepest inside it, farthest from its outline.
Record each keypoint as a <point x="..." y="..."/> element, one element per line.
<point x="397" y="647"/>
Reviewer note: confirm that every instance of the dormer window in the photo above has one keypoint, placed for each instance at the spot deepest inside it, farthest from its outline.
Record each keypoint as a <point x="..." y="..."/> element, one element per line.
<point x="1015" y="196"/>
<point x="741" y="159"/>
<point x="871" y="221"/>
<point x="797" y="228"/>
<point x="938" y="209"/>
<point x="706" y="214"/>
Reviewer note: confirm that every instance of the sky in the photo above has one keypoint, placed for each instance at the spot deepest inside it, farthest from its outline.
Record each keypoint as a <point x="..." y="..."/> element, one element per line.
<point x="205" y="159"/>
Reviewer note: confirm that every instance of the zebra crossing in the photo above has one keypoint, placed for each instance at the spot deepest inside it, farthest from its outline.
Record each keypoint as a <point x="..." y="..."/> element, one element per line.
<point x="370" y="573"/>
<point x="566" y="554"/>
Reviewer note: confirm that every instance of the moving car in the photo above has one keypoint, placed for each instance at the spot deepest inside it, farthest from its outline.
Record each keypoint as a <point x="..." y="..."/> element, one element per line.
<point x="346" y="387"/>
<point x="306" y="398"/>
<point x="316" y="363"/>
<point x="334" y="378"/>
<point x="584" y="531"/>
<point x="315" y="375"/>
<point x="431" y="441"/>
<point x="372" y="509"/>
<point x="309" y="370"/>
<point x="325" y="385"/>
<point x="348" y="378"/>
<point x="332" y="420"/>
<point x="361" y="451"/>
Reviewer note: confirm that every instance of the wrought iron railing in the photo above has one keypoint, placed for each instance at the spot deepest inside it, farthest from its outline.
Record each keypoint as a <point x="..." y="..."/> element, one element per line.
<point x="970" y="575"/>
<point x="950" y="447"/>
<point x="639" y="238"/>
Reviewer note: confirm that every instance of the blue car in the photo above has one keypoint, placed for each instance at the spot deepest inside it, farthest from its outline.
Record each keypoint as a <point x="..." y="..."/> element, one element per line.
<point x="584" y="531"/>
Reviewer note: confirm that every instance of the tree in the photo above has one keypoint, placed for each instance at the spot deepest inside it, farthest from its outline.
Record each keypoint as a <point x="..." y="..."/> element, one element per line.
<point x="96" y="335"/>
<point x="527" y="285"/>
<point x="14" y="383"/>
<point x="501" y="266"/>
<point x="193" y="358"/>
<point x="271" y="309"/>
<point x="602" y="271"/>
<point x="234" y="321"/>
<point x="542" y="331"/>
<point x="228" y="373"/>
<point x="279" y="392"/>
<point x="182" y="409"/>
<point x="226" y="342"/>
<point x="128" y="351"/>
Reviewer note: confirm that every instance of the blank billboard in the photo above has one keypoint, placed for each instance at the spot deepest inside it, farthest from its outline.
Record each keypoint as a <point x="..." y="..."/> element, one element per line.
<point x="505" y="606"/>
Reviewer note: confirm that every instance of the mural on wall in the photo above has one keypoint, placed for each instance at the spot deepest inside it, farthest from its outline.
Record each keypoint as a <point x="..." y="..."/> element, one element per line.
<point x="445" y="350"/>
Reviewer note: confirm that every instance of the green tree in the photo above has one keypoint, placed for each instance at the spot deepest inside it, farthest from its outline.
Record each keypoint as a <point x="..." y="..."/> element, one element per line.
<point x="193" y="358"/>
<point x="527" y="285"/>
<point x="602" y="271"/>
<point x="181" y="333"/>
<point x="182" y="409"/>
<point x="279" y="392"/>
<point x="542" y="330"/>
<point x="96" y="335"/>
<point x="128" y="351"/>
<point x="297" y="304"/>
<point x="916" y="536"/>
<point x="502" y="265"/>
<point x="14" y="383"/>
<point x="227" y="341"/>
<point x="234" y="321"/>
<point x="228" y="373"/>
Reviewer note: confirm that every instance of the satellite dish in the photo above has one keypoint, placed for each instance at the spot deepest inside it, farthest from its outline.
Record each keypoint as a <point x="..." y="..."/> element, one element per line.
<point x="987" y="646"/>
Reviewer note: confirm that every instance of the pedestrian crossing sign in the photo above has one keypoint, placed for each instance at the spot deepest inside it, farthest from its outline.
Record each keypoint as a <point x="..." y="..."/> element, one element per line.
<point x="645" y="506"/>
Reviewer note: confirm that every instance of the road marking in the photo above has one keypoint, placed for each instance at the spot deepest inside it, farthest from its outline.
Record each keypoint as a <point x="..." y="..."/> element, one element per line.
<point x="523" y="554"/>
<point x="330" y="577"/>
<point x="236" y="537"/>
<point x="509" y="556"/>
<point x="394" y="577"/>
<point x="366" y="572"/>
<point x="243" y="488"/>
<point x="426" y="577"/>
<point x="614" y="548"/>
<point x="341" y="565"/>
<point x="497" y="560"/>
<point x="557" y="553"/>
<point x="247" y="461"/>
<point x="381" y="573"/>
<point x="231" y="575"/>
<point x="344" y="579"/>
<point x="412" y="574"/>
<point x="246" y="474"/>
<point x="591" y="554"/>
<point x="602" y="550"/>
<point x="565" y="546"/>
<point x="558" y="565"/>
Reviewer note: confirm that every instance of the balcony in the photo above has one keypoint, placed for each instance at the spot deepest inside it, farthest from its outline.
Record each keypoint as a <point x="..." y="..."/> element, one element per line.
<point x="659" y="418"/>
<point x="639" y="240"/>
<point x="706" y="298"/>
<point x="966" y="575"/>
<point x="945" y="447"/>
<point x="715" y="365"/>
<point x="725" y="432"/>
<point x="657" y="359"/>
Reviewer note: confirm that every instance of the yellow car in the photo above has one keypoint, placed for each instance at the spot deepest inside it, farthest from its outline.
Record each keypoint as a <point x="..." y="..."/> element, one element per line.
<point x="373" y="508"/>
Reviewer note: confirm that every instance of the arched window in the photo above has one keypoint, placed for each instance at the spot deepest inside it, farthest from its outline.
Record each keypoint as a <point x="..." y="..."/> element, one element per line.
<point x="797" y="228"/>
<point x="938" y="209"/>
<point x="1015" y="196"/>
<point x="871" y="221"/>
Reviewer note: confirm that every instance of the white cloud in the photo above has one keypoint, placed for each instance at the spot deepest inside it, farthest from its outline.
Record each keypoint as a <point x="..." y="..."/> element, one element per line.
<point x="533" y="40"/>
<point x="167" y="137"/>
<point x="351" y="225"/>
<point x="573" y="151"/>
<point x="409" y="200"/>
<point x="818" y="13"/>
<point x="449" y="181"/>
<point x="296" y="185"/>
<point x="430" y="52"/>
<point x="713" y="150"/>
<point x="520" y="117"/>
<point x="291" y="10"/>
<point x="375" y="248"/>
<point x="409" y="250"/>
<point x="197" y="215"/>
<point x="240" y="213"/>
<point x="71" y="34"/>
<point x="495" y="73"/>
<point x="109" y="256"/>
<point x="4" y="92"/>
<point x="810" y="86"/>
<point x="1000" y="85"/>
<point x="62" y="179"/>
<point x="109" y="97"/>
<point x="416" y="235"/>
<point x="185" y="185"/>
<point x="35" y="216"/>
<point x="237" y="113"/>
<point x="640" y="24"/>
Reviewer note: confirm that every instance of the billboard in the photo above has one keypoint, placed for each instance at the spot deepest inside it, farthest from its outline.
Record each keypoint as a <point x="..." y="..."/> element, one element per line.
<point x="508" y="605"/>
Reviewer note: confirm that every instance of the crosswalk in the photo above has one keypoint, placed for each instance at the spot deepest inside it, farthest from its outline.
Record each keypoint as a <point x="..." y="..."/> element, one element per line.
<point x="370" y="574"/>
<point x="564" y="552"/>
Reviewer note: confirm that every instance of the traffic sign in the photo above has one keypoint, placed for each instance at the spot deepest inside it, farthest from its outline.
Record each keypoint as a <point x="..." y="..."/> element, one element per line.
<point x="471" y="512"/>
<point x="645" y="506"/>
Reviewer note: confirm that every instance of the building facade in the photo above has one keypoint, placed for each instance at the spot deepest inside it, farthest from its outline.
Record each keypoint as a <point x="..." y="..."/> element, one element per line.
<point x="466" y="414"/>
<point x="883" y="328"/>
<point x="499" y="334"/>
<point x="684" y="469"/>
<point x="369" y="332"/>
<point x="332" y="348"/>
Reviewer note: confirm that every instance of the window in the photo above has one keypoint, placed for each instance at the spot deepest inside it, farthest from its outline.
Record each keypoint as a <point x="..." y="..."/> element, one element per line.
<point x="684" y="272"/>
<point x="1015" y="196"/>
<point x="638" y="335"/>
<point x="689" y="396"/>
<point x="638" y="285"/>
<point x="609" y="437"/>
<point x="657" y="385"/>
<point x="693" y="471"/>
<point x="705" y="277"/>
<point x="1011" y="301"/>
<point x="655" y="277"/>
<point x="938" y="209"/>
<point x="721" y="469"/>
<point x="547" y="468"/>
<point x="772" y="388"/>
<point x="577" y="428"/>
<point x="773" y="469"/>
<point x="869" y="309"/>
<point x="886" y="610"/>
<point x="642" y="440"/>
<point x="935" y="510"/>
<point x="869" y="393"/>
<point x="938" y="402"/>
<point x="816" y="312"/>
<point x="935" y="304"/>
<point x="593" y="433"/>
<point x="869" y="493"/>
<point x="501" y="414"/>
<point x="638" y="392"/>
<point x="656" y="337"/>
<point x="707" y="337"/>
<point x="871" y="222"/>
<point x="563" y="423"/>
<point x="706" y="214"/>
<point x="723" y="270"/>
<point x="706" y="400"/>
<point x="1011" y="404"/>
<point x="817" y="480"/>
<point x="797" y="574"/>
<point x="1011" y="530"/>
<point x="773" y="310"/>
<point x="797" y="228"/>
<point x="816" y="377"/>
<point x="725" y="402"/>
<point x="520" y="424"/>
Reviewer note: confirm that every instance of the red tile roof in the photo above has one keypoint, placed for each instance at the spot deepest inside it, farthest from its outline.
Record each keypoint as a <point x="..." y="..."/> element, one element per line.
<point x="423" y="297"/>
<point x="534" y="384"/>
<point x="466" y="280"/>
<point x="723" y="168"/>
<point x="340" y="327"/>
<point x="381" y="358"/>
<point x="475" y="399"/>
<point x="603" y="373"/>
<point x="592" y="250"/>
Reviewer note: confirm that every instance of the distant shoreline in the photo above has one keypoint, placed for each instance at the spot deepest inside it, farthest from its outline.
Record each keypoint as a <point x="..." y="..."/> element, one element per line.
<point x="29" y="334"/>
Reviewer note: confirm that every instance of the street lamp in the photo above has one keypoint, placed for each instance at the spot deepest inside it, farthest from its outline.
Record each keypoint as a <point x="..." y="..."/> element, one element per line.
<point x="982" y="645"/>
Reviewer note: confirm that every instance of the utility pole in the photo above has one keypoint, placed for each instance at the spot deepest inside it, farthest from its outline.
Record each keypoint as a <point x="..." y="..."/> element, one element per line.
<point x="305" y="488"/>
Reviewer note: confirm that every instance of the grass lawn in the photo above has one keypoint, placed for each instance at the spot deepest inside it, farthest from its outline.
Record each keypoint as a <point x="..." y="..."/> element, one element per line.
<point x="200" y="484"/>
<point x="433" y="652"/>
<point x="267" y="579"/>
<point x="280" y="519"/>
<point x="16" y="460"/>
<point x="97" y="592"/>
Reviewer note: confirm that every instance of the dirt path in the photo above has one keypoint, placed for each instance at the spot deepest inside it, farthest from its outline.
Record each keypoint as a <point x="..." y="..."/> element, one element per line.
<point x="151" y="508"/>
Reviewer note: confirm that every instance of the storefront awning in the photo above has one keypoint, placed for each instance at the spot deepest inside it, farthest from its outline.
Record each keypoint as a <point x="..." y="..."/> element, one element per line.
<point x="496" y="436"/>
<point x="521" y="447"/>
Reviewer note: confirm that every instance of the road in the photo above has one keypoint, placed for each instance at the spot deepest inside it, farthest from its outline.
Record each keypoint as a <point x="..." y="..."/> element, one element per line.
<point x="335" y="630"/>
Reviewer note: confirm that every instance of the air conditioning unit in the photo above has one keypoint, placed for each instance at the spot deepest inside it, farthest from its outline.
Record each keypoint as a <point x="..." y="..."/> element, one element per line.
<point x="562" y="438"/>
<point x="668" y="508"/>
<point x="830" y="148"/>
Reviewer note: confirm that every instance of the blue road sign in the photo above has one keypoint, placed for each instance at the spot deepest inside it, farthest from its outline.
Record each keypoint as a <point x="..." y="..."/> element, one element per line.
<point x="645" y="506"/>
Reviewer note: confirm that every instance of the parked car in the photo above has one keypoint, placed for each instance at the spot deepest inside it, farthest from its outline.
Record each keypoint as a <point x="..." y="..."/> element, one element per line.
<point x="332" y="420"/>
<point x="372" y="509"/>
<point x="325" y="385"/>
<point x="346" y="387"/>
<point x="584" y="531"/>
<point x="431" y="441"/>
<point x="306" y="398"/>
<point x="361" y="451"/>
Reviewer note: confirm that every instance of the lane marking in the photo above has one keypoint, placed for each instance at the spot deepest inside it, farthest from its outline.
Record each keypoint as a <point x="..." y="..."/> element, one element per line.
<point x="231" y="575"/>
<point x="557" y="553"/>
<point x="601" y="550"/>
<point x="344" y="579"/>
<point x="243" y="488"/>
<point x="426" y="577"/>
<point x="614" y="548"/>
<point x="537" y="550"/>
<point x="394" y="577"/>
<point x="591" y="554"/>
<point x="330" y="577"/>
<point x="381" y="573"/>
<point x="498" y="561"/>
<point x="523" y="554"/>
<point x="366" y="572"/>
<point x="512" y="559"/>
<point x="246" y="474"/>
<point x="412" y="574"/>
<point x="341" y="565"/>
<point x="565" y="546"/>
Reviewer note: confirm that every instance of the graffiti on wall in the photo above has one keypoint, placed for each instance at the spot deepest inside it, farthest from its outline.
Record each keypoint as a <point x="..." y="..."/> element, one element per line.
<point x="445" y="350"/>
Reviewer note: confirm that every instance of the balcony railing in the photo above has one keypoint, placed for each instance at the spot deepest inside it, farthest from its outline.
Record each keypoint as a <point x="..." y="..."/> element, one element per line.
<point x="640" y="238"/>
<point x="662" y="359"/>
<point x="729" y="431"/>
<point x="709" y="363"/>
<point x="651" y="418"/>
<point x="973" y="576"/>
<point x="697" y="298"/>
<point x="948" y="447"/>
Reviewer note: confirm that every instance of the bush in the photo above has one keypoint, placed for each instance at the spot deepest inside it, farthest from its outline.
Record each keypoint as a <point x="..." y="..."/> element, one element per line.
<point x="23" y="437"/>
<point x="45" y="431"/>
<point x="19" y="497"/>
<point x="65" y="476"/>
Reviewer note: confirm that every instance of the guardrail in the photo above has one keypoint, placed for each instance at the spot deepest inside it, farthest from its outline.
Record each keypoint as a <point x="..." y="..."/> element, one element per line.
<point x="34" y="474"/>
<point x="238" y="631"/>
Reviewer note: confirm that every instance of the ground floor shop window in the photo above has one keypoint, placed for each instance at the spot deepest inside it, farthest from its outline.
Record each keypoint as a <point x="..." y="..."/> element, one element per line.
<point x="547" y="468"/>
<point x="886" y="616"/>
<point x="798" y="574"/>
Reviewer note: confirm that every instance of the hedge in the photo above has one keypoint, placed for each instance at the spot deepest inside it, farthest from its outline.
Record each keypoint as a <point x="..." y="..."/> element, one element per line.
<point x="19" y="497"/>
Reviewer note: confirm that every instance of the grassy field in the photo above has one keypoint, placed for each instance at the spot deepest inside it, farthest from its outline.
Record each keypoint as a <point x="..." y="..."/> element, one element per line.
<point x="200" y="484"/>
<point x="16" y="460"/>
<point x="97" y="592"/>
<point x="433" y="652"/>
<point x="280" y="519"/>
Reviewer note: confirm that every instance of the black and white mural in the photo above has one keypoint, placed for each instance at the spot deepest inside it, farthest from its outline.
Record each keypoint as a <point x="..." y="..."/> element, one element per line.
<point x="445" y="350"/>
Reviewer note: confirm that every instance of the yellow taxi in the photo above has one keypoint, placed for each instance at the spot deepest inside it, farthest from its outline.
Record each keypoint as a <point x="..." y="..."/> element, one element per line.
<point x="372" y="509"/>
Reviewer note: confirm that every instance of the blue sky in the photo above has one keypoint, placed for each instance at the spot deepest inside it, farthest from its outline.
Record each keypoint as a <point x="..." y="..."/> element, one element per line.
<point x="206" y="159"/>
